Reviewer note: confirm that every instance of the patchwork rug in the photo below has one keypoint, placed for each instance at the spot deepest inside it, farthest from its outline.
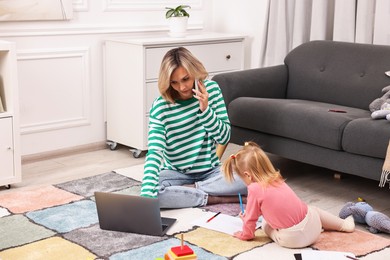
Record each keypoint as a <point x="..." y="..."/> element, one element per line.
<point x="60" y="222"/>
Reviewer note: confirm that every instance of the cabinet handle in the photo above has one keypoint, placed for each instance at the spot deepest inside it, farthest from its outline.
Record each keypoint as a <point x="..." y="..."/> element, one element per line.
<point x="228" y="57"/>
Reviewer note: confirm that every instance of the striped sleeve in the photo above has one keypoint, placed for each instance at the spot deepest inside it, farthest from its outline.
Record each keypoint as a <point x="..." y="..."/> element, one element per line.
<point x="215" y="118"/>
<point x="154" y="157"/>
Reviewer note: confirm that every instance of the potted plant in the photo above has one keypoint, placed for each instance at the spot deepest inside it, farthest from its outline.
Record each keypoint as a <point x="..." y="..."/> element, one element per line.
<point x="178" y="20"/>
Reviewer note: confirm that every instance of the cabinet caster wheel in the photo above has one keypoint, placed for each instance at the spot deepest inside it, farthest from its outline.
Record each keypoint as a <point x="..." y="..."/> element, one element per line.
<point x="8" y="186"/>
<point x="112" y="145"/>
<point x="136" y="153"/>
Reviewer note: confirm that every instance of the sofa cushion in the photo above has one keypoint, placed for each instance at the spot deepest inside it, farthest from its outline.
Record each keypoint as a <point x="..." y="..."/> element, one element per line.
<point x="368" y="137"/>
<point x="342" y="73"/>
<point x="303" y="120"/>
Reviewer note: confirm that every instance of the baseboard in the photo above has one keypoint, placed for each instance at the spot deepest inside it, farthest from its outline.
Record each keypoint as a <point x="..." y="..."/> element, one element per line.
<point x="63" y="152"/>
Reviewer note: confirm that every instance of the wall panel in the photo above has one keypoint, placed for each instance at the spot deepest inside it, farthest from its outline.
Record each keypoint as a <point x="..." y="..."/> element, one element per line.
<point x="55" y="91"/>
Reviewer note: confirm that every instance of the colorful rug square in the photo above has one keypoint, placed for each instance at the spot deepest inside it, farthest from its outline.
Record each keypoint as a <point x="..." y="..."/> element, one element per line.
<point x="158" y="250"/>
<point x="359" y="242"/>
<point x="50" y="248"/>
<point x="17" y="230"/>
<point x="133" y="190"/>
<point x="271" y="251"/>
<point x="104" y="182"/>
<point x="216" y="242"/>
<point x="66" y="218"/>
<point x="101" y="242"/>
<point x="232" y="209"/>
<point x="4" y="212"/>
<point x="34" y="199"/>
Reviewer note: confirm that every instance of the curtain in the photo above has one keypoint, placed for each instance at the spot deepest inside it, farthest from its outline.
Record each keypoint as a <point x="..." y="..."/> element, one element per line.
<point x="293" y="22"/>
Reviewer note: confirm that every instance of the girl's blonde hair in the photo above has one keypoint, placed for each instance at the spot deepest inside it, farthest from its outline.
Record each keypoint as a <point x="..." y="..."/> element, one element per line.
<point x="251" y="158"/>
<point x="174" y="58"/>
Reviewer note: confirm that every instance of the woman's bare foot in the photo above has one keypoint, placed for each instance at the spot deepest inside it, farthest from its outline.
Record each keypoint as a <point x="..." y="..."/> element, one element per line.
<point x="189" y="185"/>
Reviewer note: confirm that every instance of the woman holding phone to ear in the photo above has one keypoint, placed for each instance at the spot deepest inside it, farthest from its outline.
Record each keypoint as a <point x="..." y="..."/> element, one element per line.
<point x="186" y="123"/>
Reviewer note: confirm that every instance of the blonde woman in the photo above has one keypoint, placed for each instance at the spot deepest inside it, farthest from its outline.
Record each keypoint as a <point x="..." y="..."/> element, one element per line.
<point x="186" y="123"/>
<point x="286" y="219"/>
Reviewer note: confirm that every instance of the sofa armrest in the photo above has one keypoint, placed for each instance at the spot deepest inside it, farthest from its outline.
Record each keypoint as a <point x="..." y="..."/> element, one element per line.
<point x="269" y="82"/>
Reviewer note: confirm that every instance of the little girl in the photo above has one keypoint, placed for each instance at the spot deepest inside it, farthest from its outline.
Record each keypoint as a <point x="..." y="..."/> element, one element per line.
<point x="287" y="220"/>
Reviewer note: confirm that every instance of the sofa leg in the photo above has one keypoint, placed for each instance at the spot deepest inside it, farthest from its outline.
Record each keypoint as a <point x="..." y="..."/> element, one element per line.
<point x="337" y="176"/>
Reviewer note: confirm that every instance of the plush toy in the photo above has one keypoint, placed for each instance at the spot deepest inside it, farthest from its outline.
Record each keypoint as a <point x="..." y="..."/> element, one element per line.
<point x="384" y="112"/>
<point x="363" y="213"/>
<point x="380" y="107"/>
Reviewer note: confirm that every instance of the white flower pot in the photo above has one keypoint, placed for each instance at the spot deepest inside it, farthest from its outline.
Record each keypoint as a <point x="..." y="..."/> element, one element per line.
<point x="178" y="26"/>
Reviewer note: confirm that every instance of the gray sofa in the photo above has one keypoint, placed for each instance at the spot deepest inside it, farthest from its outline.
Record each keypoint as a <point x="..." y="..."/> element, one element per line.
<point x="287" y="109"/>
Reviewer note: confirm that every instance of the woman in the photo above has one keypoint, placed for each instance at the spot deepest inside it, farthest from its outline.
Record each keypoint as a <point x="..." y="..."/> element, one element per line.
<point x="186" y="123"/>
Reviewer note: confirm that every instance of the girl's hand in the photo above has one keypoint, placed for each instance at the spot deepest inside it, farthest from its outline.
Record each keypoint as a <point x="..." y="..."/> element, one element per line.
<point x="240" y="236"/>
<point x="237" y="234"/>
<point x="241" y="215"/>
<point x="202" y="95"/>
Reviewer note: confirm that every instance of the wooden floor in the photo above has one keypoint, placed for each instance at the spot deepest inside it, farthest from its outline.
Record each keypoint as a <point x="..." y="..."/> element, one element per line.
<point x="314" y="185"/>
<point x="74" y="166"/>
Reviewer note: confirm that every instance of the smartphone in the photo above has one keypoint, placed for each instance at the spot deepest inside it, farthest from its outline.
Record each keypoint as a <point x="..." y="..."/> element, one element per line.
<point x="196" y="86"/>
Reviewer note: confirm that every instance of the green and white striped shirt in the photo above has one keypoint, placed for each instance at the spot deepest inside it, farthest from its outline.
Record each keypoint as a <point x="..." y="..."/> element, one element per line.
<point x="184" y="139"/>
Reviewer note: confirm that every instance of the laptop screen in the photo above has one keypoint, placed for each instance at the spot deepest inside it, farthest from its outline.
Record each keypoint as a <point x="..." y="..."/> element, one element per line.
<point x="130" y="213"/>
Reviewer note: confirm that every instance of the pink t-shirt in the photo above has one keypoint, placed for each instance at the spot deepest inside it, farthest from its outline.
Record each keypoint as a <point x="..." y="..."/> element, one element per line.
<point x="279" y="205"/>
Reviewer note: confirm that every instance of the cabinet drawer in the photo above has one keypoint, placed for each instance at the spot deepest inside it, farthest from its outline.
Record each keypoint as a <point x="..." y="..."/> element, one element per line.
<point x="216" y="57"/>
<point x="152" y="93"/>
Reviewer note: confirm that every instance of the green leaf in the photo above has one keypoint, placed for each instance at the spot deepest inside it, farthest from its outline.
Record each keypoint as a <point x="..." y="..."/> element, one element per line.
<point x="169" y="13"/>
<point x="185" y="6"/>
<point x="184" y="12"/>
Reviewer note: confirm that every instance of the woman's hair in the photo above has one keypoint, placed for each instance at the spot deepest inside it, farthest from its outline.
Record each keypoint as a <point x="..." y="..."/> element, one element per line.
<point x="251" y="158"/>
<point x="174" y="58"/>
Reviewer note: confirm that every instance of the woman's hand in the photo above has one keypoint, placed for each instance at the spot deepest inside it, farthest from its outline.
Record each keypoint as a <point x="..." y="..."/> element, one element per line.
<point x="202" y="95"/>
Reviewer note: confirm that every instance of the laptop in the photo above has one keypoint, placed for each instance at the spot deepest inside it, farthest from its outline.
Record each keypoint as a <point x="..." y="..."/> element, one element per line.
<point x="129" y="213"/>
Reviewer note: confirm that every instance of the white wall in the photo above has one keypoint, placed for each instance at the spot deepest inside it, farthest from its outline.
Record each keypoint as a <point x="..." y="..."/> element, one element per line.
<point x="247" y="17"/>
<point x="60" y="67"/>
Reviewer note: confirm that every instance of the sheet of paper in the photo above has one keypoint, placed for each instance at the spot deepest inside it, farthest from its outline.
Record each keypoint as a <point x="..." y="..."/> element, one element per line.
<point x="222" y="223"/>
<point x="325" y="255"/>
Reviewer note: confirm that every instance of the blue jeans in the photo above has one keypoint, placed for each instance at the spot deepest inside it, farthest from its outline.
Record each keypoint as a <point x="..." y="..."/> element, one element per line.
<point x="172" y="193"/>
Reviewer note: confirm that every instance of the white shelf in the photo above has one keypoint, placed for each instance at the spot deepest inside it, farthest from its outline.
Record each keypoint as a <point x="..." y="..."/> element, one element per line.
<point x="10" y="162"/>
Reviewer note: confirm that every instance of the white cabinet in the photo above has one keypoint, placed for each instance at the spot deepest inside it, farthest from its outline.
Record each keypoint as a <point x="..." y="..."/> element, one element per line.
<point x="10" y="163"/>
<point x="131" y="74"/>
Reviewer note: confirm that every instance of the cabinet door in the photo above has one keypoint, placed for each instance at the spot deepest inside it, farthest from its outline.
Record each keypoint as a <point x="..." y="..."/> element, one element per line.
<point x="6" y="149"/>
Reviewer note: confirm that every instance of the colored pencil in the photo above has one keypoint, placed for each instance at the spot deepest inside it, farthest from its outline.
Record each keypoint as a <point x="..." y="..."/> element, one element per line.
<point x="242" y="206"/>
<point x="213" y="217"/>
